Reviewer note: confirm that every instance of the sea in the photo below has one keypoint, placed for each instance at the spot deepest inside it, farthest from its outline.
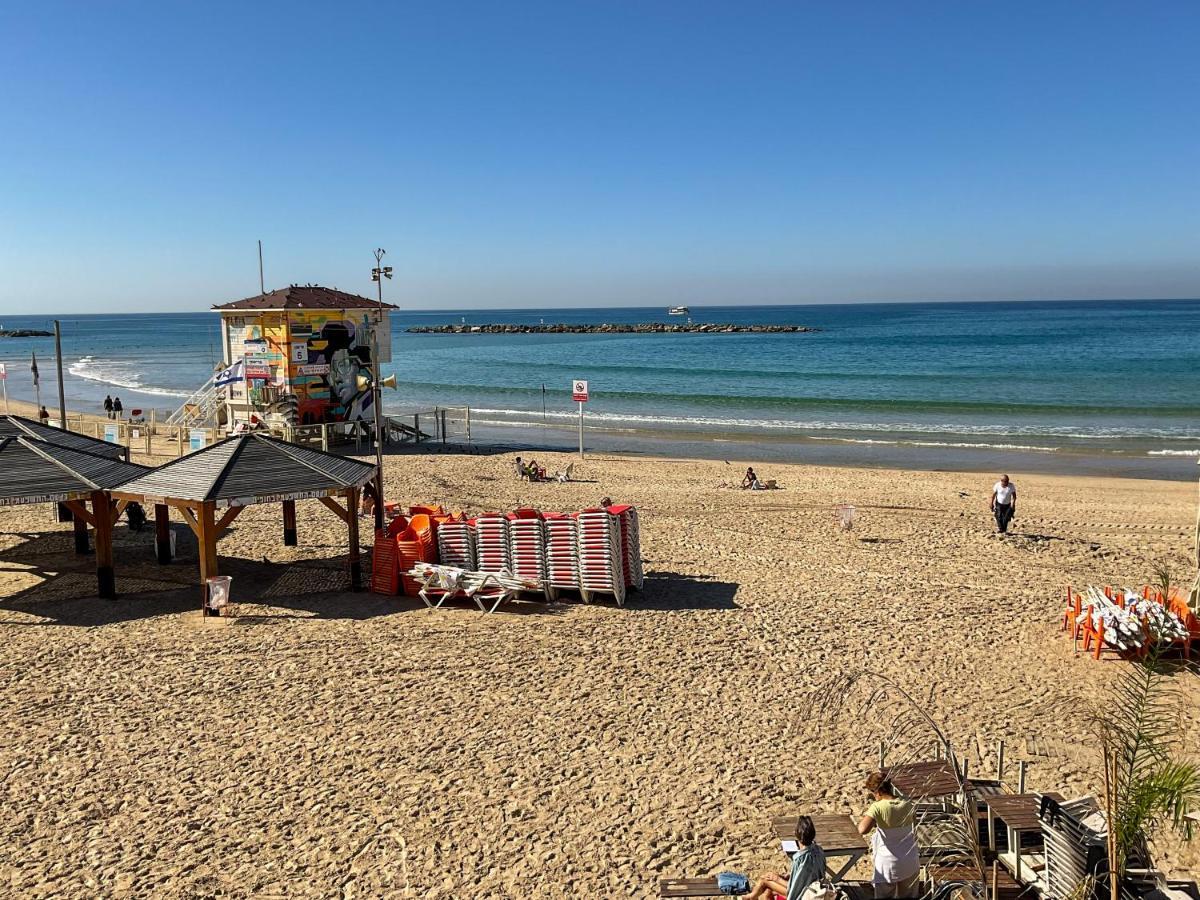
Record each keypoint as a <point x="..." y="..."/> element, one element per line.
<point x="1098" y="387"/>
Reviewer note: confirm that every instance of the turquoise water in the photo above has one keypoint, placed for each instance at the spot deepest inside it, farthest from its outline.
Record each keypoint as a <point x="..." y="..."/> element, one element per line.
<point x="1114" y="381"/>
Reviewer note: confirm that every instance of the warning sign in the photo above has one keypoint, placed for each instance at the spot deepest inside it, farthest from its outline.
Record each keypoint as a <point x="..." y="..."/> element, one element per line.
<point x="579" y="391"/>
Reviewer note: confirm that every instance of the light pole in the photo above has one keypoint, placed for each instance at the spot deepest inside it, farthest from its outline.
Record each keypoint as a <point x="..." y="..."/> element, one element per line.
<point x="379" y="273"/>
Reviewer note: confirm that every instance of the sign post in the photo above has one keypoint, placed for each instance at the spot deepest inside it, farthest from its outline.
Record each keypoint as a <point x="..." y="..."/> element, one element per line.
<point x="4" y="386"/>
<point x="579" y="393"/>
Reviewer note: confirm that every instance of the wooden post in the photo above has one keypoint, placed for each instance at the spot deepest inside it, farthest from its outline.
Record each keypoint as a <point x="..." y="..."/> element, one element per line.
<point x="64" y="513"/>
<point x="995" y="880"/>
<point x="881" y="755"/>
<point x="207" y="527"/>
<point x="325" y="437"/>
<point x="81" y="536"/>
<point x="179" y="436"/>
<point x="1021" y="777"/>
<point x="352" y="529"/>
<point x="416" y="428"/>
<point x="443" y="426"/>
<point x="102" y="515"/>
<point x="1000" y="762"/>
<point x="162" y="532"/>
<point x="468" y="417"/>
<point x="289" y="523"/>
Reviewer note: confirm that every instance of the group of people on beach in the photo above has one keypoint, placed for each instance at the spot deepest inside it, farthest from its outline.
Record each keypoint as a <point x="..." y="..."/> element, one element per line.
<point x="112" y="407"/>
<point x="895" y="857"/>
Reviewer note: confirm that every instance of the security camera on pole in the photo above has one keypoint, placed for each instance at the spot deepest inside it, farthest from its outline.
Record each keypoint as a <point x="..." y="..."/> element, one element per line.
<point x="579" y="393"/>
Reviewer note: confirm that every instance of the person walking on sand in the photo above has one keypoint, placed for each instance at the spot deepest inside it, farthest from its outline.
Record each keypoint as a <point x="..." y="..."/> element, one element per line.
<point x="1004" y="503"/>
<point x="894" y="850"/>
<point x="117" y="408"/>
<point x="44" y="416"/>
<point x="808" y="867"/>
<point x="108" y="406"/>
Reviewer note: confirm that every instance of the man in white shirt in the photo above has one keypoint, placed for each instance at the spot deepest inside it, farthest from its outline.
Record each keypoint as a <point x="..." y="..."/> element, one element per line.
<point x="1004" y="503"/>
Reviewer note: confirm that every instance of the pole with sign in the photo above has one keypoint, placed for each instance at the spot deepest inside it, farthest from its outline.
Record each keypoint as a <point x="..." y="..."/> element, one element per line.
<point x="4" y="386"/>
<point x="579" y="393"/>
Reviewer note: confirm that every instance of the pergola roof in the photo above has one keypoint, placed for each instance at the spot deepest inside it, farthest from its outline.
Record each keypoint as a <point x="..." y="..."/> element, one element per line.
<point x="304" y="296"/>
<point x="41" y="472"/>
<point x="248" y="469"/>
<point x="19" y="426"/>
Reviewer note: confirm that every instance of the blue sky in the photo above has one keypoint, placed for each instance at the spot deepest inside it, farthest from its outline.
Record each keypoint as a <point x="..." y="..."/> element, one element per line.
<point x="559" y="154"/>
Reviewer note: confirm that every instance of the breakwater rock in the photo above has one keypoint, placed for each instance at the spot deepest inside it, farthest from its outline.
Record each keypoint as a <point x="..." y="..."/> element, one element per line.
<point x="25" y="332"/>
<point x="612" y="328"/>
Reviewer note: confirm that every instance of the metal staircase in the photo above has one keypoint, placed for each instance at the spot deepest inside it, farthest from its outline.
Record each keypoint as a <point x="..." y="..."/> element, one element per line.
<point x="200" y="409"/>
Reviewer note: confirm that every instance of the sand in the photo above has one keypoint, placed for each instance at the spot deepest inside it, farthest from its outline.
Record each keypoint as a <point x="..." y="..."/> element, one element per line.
<point x="327" y="744"/>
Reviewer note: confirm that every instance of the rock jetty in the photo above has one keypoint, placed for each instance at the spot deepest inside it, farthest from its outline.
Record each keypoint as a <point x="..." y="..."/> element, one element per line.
<point x="25" y="332"/>
<point x="612" y="328"/>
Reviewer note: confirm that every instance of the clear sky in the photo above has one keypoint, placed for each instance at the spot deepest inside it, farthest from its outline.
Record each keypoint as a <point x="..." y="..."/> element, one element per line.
<point x="598" y="153"/>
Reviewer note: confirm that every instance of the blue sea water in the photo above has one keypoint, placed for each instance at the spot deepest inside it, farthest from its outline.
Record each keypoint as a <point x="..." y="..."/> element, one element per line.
<point x="1094" y="385"/>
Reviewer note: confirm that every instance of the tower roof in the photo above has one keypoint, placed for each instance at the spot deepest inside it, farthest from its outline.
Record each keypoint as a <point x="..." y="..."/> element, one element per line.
<point x="303" y="296"/>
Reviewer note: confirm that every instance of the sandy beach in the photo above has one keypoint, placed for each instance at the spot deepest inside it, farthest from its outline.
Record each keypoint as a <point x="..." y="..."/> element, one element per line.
<point x="328" y="744"/>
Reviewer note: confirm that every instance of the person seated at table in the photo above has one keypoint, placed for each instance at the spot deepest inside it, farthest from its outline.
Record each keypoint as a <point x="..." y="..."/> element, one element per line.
<point x="808" y="867"/>
<point x="894" y="842"/>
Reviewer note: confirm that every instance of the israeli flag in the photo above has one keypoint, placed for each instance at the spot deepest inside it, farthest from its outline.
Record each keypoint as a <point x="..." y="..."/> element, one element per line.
<point x="236" y="372"/>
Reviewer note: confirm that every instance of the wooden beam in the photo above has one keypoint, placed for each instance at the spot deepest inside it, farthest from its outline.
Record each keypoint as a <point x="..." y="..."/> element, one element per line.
<point x="162" y="533"/>
<point x="207" y="535"/>
<point x="80" y="512"/>
<point x="227" y="519"/>
<point x="81" y="534"/>
<point x="118" y="509"/>
<point x="356" y="583"/>
<point x="189" y="516"/>
<point x="337" y="509"/>
<point x="101" y="515"/>
<point x="289" y="523"/>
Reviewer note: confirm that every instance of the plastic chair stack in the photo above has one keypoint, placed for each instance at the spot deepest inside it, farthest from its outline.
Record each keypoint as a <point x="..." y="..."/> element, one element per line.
<point x="631" y="545"/>
<point x="562" y="554"/>
<point x="491" y="543"/>
<point x="456" y="544"/>
<point x="385" y="567"/>
<point x="601" y="561"/>
<point x="527" y="545"/>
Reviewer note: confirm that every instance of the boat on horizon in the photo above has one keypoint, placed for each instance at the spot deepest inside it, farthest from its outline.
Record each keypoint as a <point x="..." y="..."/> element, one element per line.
<point x="678" y="311"/>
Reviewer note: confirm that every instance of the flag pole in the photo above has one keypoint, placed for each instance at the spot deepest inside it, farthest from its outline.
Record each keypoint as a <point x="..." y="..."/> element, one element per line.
<point x="37" y="384"/>
<point x="62" y="391"/>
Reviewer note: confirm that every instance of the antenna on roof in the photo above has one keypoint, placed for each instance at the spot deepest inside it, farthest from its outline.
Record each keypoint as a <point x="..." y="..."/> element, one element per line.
<point x="261" y="284"/>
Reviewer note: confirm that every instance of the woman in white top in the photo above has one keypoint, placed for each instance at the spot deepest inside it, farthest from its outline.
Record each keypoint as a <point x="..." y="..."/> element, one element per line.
<point x="894" y="842"/>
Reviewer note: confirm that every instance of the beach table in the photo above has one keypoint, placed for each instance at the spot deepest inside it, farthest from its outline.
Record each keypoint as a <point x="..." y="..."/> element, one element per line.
<point x="1019" y="813"/>
<point x="837" y="834"/>
<point x="689" y="887"/>
<point x="916" y="781"/>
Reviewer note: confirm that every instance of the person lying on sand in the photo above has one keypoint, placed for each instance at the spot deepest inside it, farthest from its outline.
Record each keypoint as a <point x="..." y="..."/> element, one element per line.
<point x="808" y="865"/>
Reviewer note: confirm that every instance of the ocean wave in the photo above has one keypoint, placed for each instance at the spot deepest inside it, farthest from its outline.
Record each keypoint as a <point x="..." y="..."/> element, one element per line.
<point x="534" y="417"/>
<point x="1173" y="453"/>
<point x="965" y="444"/>
<point x="104" y="372"/>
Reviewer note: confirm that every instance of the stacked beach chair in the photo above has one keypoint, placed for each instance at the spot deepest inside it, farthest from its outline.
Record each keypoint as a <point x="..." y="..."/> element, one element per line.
<point x="527" y="545"/>
<point x="562" y="554"/>
<point x="491" y="543"/>
<point x="456" y="544"/>
<point x="601" y="560"/>
<point x="631" y="545"/>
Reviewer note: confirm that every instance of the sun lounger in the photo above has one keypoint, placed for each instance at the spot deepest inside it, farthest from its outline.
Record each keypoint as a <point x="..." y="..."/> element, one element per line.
<point x="564" y="477"/>
<point x="487" y="590"/>
<point x="689" y="887"/>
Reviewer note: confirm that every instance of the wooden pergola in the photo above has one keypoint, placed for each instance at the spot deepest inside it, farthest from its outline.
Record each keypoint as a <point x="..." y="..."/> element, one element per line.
<point x="19" y="426"/>
<point x="37" y="471"/>
<point x="211" y="487"/>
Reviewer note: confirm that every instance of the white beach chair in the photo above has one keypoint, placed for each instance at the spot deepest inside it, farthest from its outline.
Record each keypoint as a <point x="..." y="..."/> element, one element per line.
<point x="487" y="590"/>
<point x="564" y="477"/>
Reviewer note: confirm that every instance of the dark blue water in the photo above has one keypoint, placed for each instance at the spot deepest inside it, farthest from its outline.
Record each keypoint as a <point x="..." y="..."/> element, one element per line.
<point x="1094" y="378"/>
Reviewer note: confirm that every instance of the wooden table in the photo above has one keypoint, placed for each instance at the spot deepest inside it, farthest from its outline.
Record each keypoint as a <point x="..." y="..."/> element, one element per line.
<point x="689" y="887"/>
<point x="925" y="779"/>
<point x="1019" y="813"/>
<point x="837" y="835"/>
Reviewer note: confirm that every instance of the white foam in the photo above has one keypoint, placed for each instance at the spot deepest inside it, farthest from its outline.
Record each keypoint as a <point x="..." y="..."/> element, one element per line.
<point x="1173" y="452"/>
<point x="116" y="374"/>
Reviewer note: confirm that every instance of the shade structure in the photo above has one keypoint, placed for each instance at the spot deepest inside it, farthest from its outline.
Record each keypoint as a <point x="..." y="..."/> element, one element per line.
<point x="19" y="426"/>
<point x="252" y="469"/>
<point x="41" y="472"/>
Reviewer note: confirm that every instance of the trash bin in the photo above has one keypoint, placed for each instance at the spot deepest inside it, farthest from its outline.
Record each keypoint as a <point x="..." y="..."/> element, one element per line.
<point x="217" y="599"/>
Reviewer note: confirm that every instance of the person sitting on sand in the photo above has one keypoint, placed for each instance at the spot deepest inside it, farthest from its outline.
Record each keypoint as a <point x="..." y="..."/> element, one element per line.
<point x="808" y="866"/>
<point x="894" y="843"/>
<point x="536" y="472"/>
<point x="1004" y="503"/>
<point x="750" y="482"/>
<point x="522" y="470"/>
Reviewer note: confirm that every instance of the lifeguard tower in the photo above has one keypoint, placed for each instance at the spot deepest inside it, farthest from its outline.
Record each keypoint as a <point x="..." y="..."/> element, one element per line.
<point x="301" y="355"/>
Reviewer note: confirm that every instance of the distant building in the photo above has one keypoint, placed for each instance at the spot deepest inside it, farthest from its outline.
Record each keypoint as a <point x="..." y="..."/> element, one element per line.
<point x="297" y="354"/>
